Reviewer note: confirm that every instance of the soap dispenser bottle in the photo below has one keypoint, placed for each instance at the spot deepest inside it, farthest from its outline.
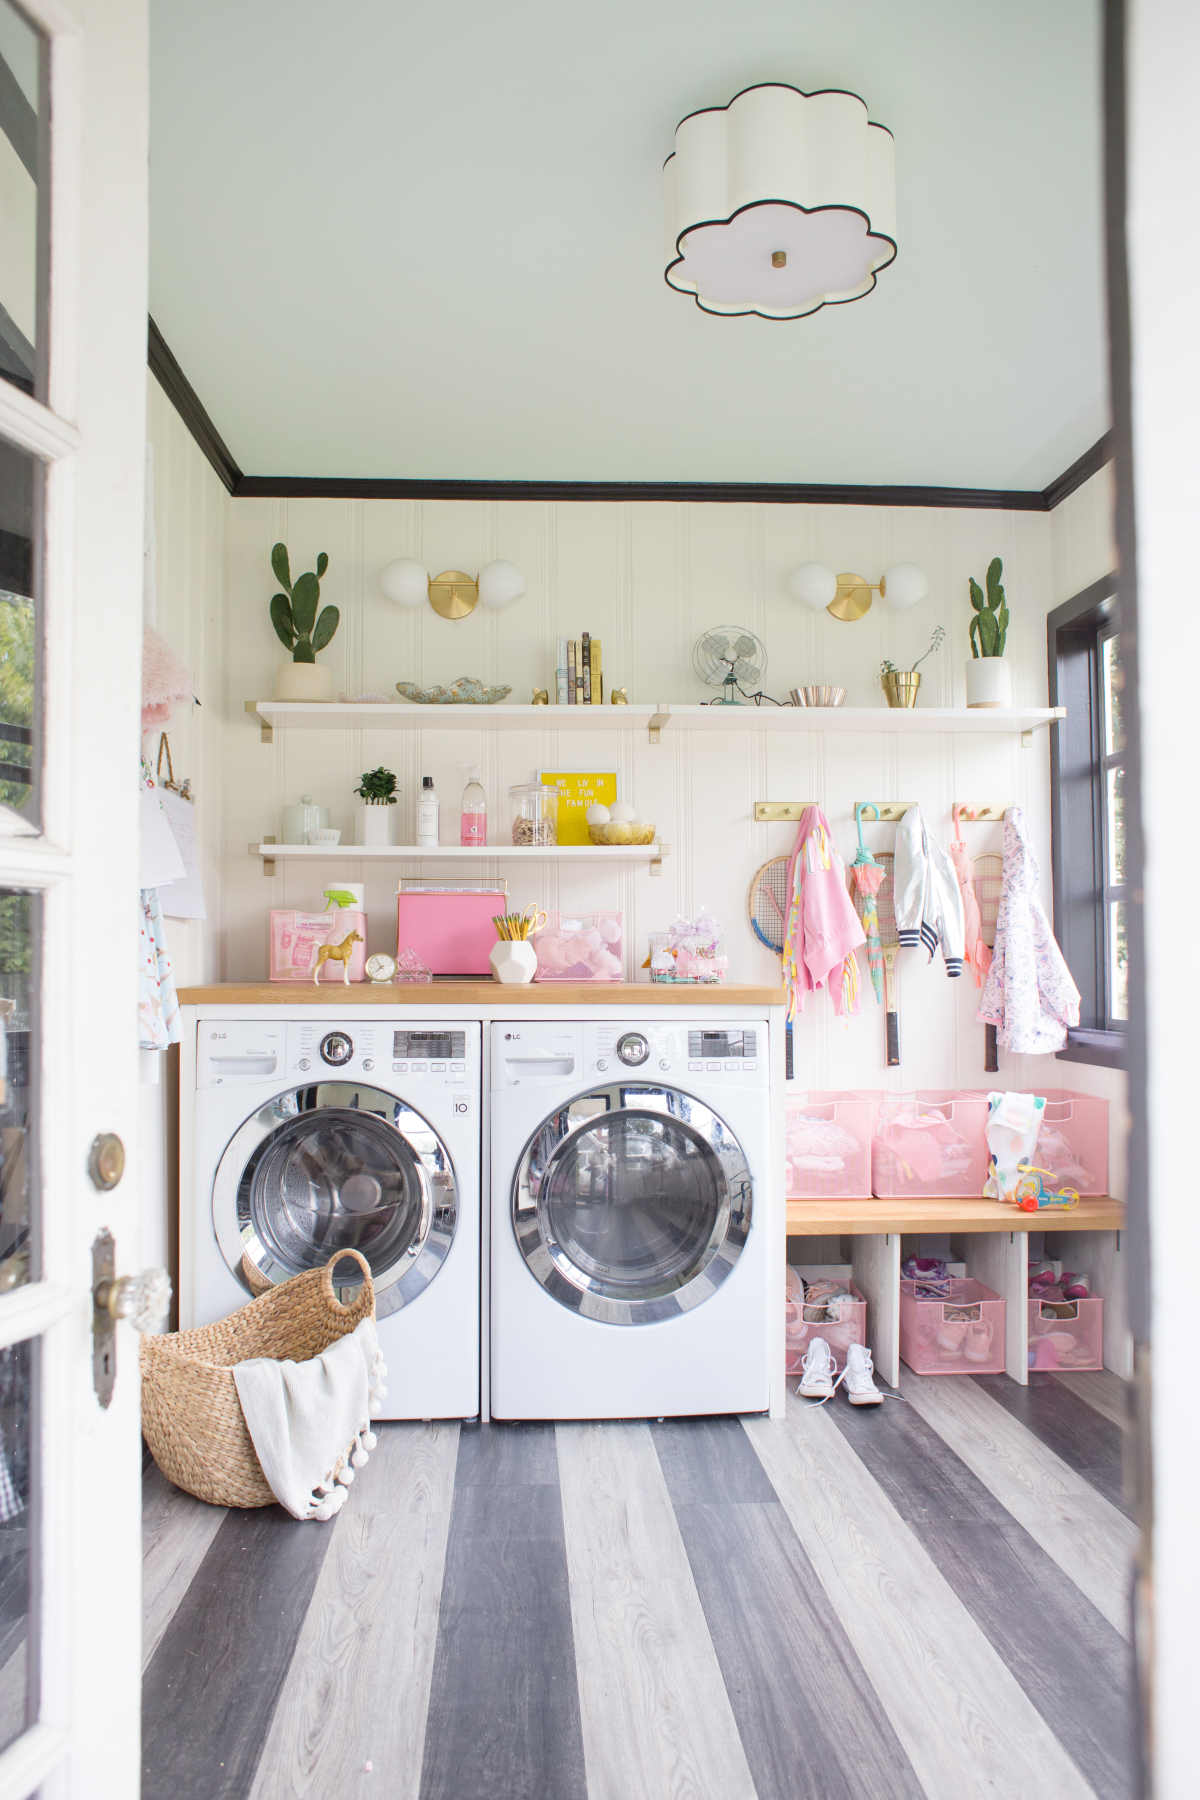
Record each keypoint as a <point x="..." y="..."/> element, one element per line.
<point x="427" y="815"/>
<point x="473" y="817"/>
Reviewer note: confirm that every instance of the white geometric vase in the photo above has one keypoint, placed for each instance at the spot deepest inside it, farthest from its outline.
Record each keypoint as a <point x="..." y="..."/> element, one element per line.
<point x="514" y="963"/>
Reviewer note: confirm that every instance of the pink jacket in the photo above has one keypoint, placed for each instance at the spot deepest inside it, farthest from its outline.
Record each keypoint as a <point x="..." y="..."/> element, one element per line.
<point x="823" y="929"/>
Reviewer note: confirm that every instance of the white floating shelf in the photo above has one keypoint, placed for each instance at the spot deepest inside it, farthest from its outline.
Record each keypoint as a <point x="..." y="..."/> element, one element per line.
<point x="363" y="715"/>
<point x="649" y="855"/>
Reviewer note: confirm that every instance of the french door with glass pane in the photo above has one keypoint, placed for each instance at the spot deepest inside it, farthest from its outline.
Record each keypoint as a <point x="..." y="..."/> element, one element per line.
<point x="72" y="405"/>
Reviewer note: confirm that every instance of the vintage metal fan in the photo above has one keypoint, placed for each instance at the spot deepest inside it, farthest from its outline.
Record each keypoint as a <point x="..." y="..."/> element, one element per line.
<point x="732" y="659"/>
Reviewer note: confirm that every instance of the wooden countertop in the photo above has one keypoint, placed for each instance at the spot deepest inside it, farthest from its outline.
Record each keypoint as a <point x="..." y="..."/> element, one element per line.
<point x="643" y="994"/>
<point x="935" y="1212"/>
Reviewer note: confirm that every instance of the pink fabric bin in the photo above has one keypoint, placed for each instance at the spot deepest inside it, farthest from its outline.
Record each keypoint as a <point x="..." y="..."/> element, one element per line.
<point x="933" y="1344"/>
<point x="828" y="1145"/>
<point x="1075" y="1342"/>
<point x="803" y="1323"/>
<point x="1073" y="1140"/>
<point x="931" y="1142"/>
<point x="297" y="936"/>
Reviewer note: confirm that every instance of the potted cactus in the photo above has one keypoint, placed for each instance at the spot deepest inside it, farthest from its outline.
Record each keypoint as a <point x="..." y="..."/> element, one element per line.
<point x="302" y="630"/>
<point x="988" y="680"/>
<point x="377" y="791"/>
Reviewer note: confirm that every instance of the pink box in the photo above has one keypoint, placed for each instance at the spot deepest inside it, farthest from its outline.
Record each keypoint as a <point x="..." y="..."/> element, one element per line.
<point x="803" y="1323"/>
<point x="934" y="1341"/>
<point x="452" y="934"/>
<point x="297" y="936"/>
<point x="930" y="1142"/>
<point x="1073" y="1140"/>
<point x="1066" y="1334"/>
<point x="829" y="1145"/>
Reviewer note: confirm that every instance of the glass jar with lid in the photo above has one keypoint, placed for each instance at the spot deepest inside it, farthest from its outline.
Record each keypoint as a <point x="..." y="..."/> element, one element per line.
<point x="534" y="814"/>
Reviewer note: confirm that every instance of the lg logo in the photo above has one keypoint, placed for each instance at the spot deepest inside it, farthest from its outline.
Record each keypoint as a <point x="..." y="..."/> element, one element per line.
<point x="512" y="1037"/>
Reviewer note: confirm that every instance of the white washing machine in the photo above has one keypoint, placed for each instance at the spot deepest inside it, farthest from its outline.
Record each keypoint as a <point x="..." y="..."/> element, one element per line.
<point x="633" y="1208"/>
<point x="322" y="1132"/>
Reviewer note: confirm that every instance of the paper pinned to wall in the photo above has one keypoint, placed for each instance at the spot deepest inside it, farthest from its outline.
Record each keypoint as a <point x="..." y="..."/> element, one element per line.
<point x="182" y="898"/>
<point x="159" y="859"/>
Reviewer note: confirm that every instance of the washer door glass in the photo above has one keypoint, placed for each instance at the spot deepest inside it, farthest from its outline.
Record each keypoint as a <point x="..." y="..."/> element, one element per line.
<point x="334" y="1167"/>
<point x="632" y="1203"/>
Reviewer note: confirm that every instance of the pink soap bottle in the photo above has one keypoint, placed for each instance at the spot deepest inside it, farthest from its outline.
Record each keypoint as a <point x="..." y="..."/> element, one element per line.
<point x="473" y="827"/>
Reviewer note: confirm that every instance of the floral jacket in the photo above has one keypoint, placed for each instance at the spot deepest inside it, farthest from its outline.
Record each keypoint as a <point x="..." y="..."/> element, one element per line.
<point x="1029" y="996"/>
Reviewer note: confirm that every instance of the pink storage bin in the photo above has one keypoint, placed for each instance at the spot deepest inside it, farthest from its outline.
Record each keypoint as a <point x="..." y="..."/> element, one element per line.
<point x="1073" y="1342"/>
<point x="930" y="1142"/>
<point x="934" y="1342"/>
<point x="828" y="1145"/>
<point x="1073" y="1140"/>
<point x="803" y="1323"/>
<point x="580" y="947"/>
<point x="295" y="938"/>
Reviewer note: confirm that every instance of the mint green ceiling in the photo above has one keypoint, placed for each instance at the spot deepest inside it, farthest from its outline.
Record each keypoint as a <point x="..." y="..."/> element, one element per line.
<point x="416" y="240"/>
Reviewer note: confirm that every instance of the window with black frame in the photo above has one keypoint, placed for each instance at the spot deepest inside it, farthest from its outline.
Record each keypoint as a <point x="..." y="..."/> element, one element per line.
<point x="1088" y="816"/>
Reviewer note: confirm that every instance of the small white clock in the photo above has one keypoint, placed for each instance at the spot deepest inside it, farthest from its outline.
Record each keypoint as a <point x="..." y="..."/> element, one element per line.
<point x="381" y="967"/>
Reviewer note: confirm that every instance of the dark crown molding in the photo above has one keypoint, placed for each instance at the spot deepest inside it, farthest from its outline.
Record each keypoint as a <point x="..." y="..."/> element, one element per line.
<point x="771" y="493"/>
<point x="189" y="406"/>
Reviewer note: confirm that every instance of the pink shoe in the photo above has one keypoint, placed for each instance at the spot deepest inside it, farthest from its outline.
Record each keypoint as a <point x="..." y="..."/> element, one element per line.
<point x="978" y="1347"/>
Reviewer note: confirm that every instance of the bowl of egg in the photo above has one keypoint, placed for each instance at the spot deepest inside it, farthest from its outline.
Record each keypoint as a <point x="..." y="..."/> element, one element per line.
<point x="617" y="824"/>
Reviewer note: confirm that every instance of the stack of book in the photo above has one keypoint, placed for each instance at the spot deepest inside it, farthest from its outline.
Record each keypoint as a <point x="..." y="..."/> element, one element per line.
<point x="580" y="681"/>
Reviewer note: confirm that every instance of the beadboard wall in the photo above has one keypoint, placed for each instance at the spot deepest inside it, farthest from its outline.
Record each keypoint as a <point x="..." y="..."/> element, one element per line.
<point x="190" y="511"/>
<point x="646" y="579"/>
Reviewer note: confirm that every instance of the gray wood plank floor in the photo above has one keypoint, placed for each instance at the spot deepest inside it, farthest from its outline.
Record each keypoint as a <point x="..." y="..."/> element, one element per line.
<point x="921" y="1599"/>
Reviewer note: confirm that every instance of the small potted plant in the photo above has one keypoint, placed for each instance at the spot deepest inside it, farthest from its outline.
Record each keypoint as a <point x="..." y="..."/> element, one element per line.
<point x="901" y="685"/>
<point x="988" y="680"/>
<point x="377" y="791"/>
<point x="302" y="630"/>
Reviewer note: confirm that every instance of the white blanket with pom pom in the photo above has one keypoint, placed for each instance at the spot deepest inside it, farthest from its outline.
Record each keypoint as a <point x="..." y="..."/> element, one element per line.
<point x="310" y="1421"/>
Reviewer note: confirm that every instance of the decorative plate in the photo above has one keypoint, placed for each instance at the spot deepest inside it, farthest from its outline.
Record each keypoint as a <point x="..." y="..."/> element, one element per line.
<point x="466" y="691"/>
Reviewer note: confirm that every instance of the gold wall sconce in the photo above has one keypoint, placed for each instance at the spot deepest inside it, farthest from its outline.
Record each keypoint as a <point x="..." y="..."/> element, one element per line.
<point x="848" y="597"/>
<point x="453" y="594"/>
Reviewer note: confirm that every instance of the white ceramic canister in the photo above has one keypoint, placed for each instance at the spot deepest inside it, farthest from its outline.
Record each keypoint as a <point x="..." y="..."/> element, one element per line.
<point x="515" y="962"/>
<point x="304" y="681"/>
<point x="302" y="818"/>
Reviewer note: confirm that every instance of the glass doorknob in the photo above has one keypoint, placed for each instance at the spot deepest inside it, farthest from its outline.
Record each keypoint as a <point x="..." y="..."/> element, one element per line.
<point x="141" y="1299"/>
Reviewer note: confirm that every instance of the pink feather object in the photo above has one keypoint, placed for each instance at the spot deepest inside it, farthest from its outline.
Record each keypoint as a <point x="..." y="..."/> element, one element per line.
<point x="165" y="681"/>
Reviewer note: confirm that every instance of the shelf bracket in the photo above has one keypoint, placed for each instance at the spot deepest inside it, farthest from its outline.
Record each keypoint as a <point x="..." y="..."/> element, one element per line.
<point x="658" y="718"/>
<point x="266" y="729"/>
<point x="1027" y="740"/>
<point x="656" y="864"/>
<point x="268" y="861"/>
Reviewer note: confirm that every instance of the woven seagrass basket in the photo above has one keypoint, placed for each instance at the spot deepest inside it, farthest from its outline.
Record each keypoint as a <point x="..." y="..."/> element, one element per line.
<point x="191" y="1414"/>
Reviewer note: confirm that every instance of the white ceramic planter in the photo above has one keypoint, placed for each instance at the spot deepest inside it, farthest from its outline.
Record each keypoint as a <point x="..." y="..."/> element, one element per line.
<point x="304" y="681"/>
<point x="375" y="825"/>
<point x="514" y="963"/>
<point x="989" y="681"/>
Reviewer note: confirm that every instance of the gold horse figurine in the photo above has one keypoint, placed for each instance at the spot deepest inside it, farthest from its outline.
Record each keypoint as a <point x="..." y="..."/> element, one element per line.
<point x="337" y="953"/>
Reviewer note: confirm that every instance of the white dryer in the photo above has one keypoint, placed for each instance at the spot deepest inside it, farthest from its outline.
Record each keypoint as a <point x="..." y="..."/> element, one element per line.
<point x="314" y="1132"/>
<point x="632" y="1212"/>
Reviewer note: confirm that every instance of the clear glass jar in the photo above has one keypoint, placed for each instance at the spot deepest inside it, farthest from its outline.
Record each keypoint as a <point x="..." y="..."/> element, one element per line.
<point x="534" y="814"/>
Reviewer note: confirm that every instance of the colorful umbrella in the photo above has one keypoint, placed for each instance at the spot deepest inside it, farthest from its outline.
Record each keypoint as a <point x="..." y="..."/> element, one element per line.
<point x="866" y="877"/>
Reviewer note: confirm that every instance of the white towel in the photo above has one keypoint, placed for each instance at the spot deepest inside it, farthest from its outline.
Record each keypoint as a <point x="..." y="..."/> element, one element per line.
<point x="310" y="1421"/>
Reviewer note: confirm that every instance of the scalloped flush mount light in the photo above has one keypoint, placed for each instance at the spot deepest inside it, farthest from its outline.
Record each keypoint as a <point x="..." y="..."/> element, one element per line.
<point x="780" y="203"/>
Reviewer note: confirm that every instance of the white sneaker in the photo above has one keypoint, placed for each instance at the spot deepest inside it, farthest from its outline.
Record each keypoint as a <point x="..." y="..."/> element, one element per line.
<point x="859" y="1377"/>
<point x="817" y="1371"/>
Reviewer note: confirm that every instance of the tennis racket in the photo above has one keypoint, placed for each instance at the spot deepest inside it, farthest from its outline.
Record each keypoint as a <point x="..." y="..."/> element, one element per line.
<point x="988" y="871"/>
<point x="889" y="945"/>
<point x="767" y="908"/>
